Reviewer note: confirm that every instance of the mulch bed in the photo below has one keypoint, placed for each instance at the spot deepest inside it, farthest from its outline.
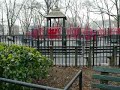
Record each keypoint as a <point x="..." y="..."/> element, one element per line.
<point x="59" y="77"/>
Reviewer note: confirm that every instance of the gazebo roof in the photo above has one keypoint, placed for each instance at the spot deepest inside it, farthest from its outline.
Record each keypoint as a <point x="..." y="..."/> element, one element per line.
<point x="56" y="13"/>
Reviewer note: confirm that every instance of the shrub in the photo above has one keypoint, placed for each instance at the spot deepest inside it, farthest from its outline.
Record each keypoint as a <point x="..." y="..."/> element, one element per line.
<point x="22" y="63"/>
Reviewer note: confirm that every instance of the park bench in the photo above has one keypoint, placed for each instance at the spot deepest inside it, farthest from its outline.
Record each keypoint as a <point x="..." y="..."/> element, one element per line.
<point x="108" y="77"/>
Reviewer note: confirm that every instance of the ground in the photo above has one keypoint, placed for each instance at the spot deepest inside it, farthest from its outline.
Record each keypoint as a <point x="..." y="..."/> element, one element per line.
<point x="59" y="77"/>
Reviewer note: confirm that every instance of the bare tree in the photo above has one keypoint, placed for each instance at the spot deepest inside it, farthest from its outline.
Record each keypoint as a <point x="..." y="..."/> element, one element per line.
<point x="65" y="5"/>
<point x="117" y="5"/>
<point x="110" y="8"/>
<point x="31" y="16"/>
<point x="87" y="5"/>
<point x="26" y="16"/>
<point x="38" y="16"/>
<point x="108" y="11"/>
<point x="49" y="4"/>
<point x="99" y="10"/>
<point x="75" y="11"/>
<point x="2" y="19"/>
<point x="12" y="13"/>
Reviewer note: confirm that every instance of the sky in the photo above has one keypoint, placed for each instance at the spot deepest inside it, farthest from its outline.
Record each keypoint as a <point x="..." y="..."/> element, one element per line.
<point x="81" y="12"/>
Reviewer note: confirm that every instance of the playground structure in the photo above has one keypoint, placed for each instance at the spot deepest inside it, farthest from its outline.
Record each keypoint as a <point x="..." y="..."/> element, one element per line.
<point x="56" y="32"/>
<point x="73" y="33"/>
<point x="75" y="46"/>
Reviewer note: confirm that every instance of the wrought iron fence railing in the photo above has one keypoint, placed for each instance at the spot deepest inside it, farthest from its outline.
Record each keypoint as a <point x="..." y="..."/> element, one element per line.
<point x="42" y="87"/>
<point x="75" y="50"/>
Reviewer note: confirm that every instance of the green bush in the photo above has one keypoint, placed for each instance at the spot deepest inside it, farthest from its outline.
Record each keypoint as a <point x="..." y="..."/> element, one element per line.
<point x="22" y="63"/>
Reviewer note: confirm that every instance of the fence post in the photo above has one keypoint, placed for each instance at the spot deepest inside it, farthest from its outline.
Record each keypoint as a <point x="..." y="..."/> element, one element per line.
<point x="119" y="57"/>
<point x="93" y="48"/>
<point x="37" y="40"/>
<point x="119" y="47"/>
<point x="51" y="53"/>
<point x="22" y="38"/>
<point x="76" y="54"/>
<point x="38" y="44"/>
<point x="114" y="56"/>
<point x="13" y="38"/>
<point x="65" y="56"/>
<point x="0" y="38"/>
<point x="89" y="58"/>
<point x="80" y="81"/>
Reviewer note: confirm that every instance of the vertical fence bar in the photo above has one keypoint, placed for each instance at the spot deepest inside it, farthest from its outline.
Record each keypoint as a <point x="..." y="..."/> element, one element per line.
<point x="113" y="57"/>
<point x="93" y="48"/>
<point x="69" y="50"/>
<point x="80" y="81"/>
<point x="96" y="45"/>
<point x="32" y="38"/>
<point x="0" y="39"/>
<point x="119" y="46"/>
<point x="65" y="56"/>
<point x="22" y="38"/>
<point x="38" y="40"/>
<point x="51" y="53"/>
<point x="76" y="55"/>
<point x="89" y="58"/>
<point x="45" y="35"/>
<point x="119" y="55"/>
<point x="13" y="39"/>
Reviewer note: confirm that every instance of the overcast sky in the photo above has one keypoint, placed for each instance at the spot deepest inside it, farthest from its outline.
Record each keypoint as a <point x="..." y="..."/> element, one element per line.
<point x="81" y="12"/>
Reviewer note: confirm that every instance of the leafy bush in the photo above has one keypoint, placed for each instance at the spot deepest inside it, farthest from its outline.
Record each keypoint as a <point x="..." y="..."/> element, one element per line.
<point x="22" y="63"/>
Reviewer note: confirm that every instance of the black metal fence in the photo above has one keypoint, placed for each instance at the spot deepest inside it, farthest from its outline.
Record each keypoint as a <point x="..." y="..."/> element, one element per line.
<point x="42" y="87"/>
<point x="72" y="50"/>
